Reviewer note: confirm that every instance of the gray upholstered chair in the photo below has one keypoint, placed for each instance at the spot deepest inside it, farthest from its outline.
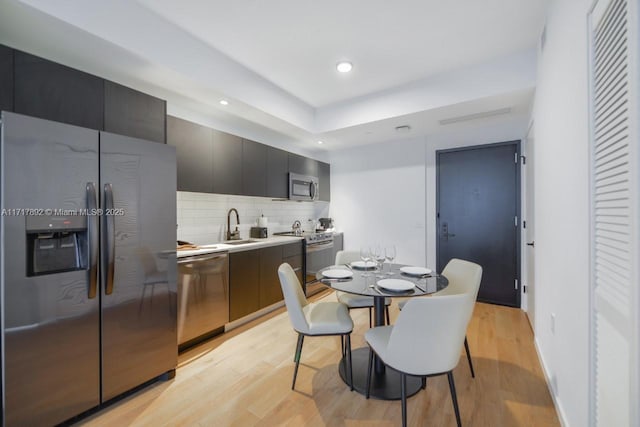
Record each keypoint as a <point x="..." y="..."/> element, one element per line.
<point x="314" y="319"/>
<point x="464" y="277"/>
<point x="425" y="341"/>
<point x="357" y="301"/>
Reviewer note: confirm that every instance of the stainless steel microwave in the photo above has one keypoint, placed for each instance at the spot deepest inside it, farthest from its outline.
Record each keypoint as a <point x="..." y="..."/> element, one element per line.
<point x="303" y="187"/>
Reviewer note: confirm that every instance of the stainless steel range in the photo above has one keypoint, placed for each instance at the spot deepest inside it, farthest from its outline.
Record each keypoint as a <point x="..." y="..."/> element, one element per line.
<point x="319" y="252"/>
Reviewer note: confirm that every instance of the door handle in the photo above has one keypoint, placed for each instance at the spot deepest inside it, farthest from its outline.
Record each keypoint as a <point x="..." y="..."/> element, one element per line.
<point x="532" y="244"/>
<point x="445" y="231"/>
<point x="313" y="190"/>
<point x="92" y="241"/>
<point x="109" y="239"/>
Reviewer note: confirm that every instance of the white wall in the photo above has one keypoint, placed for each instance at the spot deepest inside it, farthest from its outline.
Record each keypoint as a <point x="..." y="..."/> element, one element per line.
<point x="404" y="172"/>
<point x="378" y="197"/>
<point x="561" y="208"/>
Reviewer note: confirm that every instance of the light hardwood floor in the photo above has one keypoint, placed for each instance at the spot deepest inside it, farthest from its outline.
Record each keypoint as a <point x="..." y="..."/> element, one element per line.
<point x="243" y="378"/>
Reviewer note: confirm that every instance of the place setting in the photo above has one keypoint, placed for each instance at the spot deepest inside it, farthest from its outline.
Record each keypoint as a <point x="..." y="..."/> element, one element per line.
<point x="336" y="275"/>
<point x="396" y="286"/>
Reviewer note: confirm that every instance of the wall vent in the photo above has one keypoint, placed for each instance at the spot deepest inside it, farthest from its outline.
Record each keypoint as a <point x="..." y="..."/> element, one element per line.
<point x="475" y="116"/>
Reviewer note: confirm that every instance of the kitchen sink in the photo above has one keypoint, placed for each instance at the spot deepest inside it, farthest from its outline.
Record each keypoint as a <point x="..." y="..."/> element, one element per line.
<point x="239" y="242"/>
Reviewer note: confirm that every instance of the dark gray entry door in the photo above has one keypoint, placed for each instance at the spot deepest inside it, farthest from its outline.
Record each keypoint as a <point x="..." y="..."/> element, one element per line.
<point x="478" y="199"/>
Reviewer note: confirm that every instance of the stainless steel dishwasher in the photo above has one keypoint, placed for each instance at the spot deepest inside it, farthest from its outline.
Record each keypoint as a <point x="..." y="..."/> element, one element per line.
<point x="203" y="297"/>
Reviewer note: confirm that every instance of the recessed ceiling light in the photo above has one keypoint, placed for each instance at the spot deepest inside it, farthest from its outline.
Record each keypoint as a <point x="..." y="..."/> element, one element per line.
<point x="224" y="102"/>
<point x="344" y="66"/>
<point x="320" y="142"/>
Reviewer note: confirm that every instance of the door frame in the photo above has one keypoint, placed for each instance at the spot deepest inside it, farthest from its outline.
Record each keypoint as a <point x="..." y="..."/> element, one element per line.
<point x="527" y="171"/>
<point x="518" y="243"/>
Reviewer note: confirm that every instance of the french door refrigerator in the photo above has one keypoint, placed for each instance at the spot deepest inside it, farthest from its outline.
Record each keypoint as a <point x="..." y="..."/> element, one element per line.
<point x="88" y="267"/>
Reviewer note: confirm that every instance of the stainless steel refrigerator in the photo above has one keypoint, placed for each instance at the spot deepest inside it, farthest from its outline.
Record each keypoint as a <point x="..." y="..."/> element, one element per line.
<point x="88" y="267"/>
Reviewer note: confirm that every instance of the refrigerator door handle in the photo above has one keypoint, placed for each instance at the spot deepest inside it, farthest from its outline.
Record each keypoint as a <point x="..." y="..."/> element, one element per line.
<point x="92" y="241"/>
<point x="109" y="238"/>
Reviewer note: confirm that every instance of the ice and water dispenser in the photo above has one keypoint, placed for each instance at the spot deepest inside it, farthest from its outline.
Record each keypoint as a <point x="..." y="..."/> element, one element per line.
<point x="56" y="244"/>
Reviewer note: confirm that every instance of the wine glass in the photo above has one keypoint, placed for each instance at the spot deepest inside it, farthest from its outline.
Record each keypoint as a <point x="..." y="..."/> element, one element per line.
<point x="390" y="255"/>
<point x="378" y="256"/>
<point x="365" y="256"/>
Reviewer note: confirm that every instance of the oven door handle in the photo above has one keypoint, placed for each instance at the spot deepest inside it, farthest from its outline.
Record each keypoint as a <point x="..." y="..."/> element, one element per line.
<point x="314" y="247"/>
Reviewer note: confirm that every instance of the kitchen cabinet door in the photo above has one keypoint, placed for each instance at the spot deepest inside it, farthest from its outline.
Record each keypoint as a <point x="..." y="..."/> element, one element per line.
<point x="194" y="152"/>
<point x="270" y="290"/>
<point x="52" y="91"/>
<point x="254" y="168"/>
<point x="277" y="173"/>
<point x="227" y="163"/>
<point x="6" y="78"/>
<point x="292" y="254"/>
<point x="244" y="283"/>
<point x="302" y="165"/>
<point x="324" y="181"/>
<point x="132" y="113"/>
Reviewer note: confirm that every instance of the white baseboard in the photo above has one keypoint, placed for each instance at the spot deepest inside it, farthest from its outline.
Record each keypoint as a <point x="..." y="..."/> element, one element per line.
<point x="561" y="415"/>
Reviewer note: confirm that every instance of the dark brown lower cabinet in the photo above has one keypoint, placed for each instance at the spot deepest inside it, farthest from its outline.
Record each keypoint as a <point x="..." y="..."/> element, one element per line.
<point x="253" y="277"/>
<point x="270" y="290"/>
<point x="292" y="254"/>
<point x="244" y="281"/>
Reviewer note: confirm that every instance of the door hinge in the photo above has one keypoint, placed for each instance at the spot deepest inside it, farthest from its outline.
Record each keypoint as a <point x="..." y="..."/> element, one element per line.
<point x="524" y="289"/>
<point x="524" y="159"/>
<point x="524" y="224"/>
<point x="515" y="221"/>
<point x="515" y="157"/>
<point x="515" y="281"/>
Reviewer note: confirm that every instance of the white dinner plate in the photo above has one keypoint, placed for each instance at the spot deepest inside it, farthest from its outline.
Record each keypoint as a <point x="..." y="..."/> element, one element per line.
<point x="396" y="285"/>
<point x="337" y="274"/>
<point x="415" y="271"/>
<point x="362" y="264"/>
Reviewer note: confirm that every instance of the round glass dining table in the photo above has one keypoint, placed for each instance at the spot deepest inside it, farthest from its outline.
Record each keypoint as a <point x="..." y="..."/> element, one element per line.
<point x="385" y="383"/>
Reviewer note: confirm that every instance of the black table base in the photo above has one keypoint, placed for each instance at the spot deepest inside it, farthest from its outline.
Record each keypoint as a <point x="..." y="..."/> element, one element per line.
<point x="384" y="386"/>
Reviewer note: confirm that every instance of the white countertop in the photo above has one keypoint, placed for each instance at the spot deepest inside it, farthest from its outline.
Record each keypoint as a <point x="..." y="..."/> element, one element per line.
<point x="254" y="244"/>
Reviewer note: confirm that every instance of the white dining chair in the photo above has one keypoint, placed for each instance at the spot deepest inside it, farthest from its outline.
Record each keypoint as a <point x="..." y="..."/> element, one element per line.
<point x="464" y="277"/>
<point x="425" y="341"/>
<point x="314" y="319"/>
<point x="357" y="301"/>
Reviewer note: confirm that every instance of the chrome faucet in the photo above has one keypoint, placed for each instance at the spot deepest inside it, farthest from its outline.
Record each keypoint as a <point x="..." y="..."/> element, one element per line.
<point x="233" y="235"/>
<point x="297" y="228"/>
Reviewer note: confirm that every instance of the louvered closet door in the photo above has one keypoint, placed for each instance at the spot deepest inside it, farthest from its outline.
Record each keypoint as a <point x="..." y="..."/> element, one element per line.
<point x="613" y="33"/>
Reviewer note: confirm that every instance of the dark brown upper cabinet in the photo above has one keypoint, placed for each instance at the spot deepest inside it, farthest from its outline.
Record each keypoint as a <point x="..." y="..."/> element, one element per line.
<point x="324" y="181"/>
<point x="302" y="165"/>
<point x="6" y="78"/>
<point x="194" y="154"/>
<point x="52" y="91"/>
<point x="254" y="168"/>
<point x="227" y="163"/>
<point x="277" y="173"/>
<point x="132" y="113"/>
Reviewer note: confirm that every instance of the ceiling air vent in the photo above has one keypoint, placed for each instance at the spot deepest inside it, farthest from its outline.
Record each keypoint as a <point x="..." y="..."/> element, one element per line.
<point x="475" y="116"/>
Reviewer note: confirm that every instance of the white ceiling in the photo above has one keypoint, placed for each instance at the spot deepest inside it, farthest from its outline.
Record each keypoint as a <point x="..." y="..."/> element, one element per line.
<point x="415" y="61"/>
<point x="296" y="43"/>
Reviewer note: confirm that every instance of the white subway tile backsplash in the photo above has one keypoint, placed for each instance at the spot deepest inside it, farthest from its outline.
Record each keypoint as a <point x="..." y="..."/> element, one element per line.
<point x="202" y="217"/>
